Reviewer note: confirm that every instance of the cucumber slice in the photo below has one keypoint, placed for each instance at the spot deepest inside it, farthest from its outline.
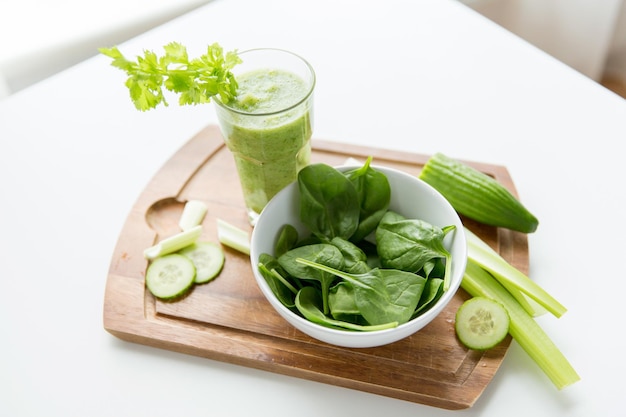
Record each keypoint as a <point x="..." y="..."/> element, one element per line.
<point x="481" y="323"/>
<point x="170" y="276"/>
<point x="207" y="257"/>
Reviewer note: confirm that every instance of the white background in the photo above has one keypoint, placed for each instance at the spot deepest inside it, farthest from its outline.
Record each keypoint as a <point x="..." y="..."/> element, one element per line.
<point x="421" y="76"/>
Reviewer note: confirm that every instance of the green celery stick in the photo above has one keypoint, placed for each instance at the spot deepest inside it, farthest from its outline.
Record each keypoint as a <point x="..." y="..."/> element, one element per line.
<point x="233" y="237"/>
<point x="173" y="243"/>
<point x="523" y="328"/>
<point x="193" y="214"/>
<point x="510" y="277"/>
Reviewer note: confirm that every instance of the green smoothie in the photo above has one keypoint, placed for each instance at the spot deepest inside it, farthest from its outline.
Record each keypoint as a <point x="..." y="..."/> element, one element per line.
<point x="268" y="130"/>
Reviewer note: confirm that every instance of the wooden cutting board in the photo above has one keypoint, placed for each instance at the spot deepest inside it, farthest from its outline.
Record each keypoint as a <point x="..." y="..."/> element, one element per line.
<point x="229" y="320"/>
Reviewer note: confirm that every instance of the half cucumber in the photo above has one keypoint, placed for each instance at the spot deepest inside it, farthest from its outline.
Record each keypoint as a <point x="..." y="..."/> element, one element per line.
<point x="481" y="323"/>
<point x="170" y="276"/>
<point x="208" y="259"/>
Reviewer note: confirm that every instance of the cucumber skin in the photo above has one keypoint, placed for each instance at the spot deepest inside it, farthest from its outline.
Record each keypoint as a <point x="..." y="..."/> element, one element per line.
<point x="477" y="195"/>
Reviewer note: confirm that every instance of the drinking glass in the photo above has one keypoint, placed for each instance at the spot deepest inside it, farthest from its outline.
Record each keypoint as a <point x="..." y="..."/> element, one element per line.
<point x="268" y="126"/>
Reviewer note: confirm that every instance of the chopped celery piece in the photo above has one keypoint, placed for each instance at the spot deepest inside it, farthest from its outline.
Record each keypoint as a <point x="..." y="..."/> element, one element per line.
<point x="193" y="214"/>
<point x="233" y="236"/>
<point x="173" y="243"/>
<point x="510" y="277"/>
<point x="523" y="328"/>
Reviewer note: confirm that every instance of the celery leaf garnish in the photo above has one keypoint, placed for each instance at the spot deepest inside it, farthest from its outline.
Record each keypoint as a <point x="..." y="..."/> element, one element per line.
<point x="196" y="81"/>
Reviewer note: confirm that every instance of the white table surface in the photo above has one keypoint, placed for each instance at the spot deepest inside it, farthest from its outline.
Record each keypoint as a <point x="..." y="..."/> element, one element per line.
<point x="41" y="37"/>
<point x="421" y="76"/>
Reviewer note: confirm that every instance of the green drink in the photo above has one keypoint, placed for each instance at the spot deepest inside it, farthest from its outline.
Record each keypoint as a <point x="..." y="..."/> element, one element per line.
<point x="269" y="124"/>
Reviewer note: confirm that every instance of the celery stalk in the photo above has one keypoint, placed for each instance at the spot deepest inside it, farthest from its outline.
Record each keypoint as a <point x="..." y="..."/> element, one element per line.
<point x="173" y="243"/>
<point x="531" y="306"/>
<point x="193" y="214"/>
<point x="523" y="328"/>
<point x="233" y="237"/>
<point x="510" y="277"/>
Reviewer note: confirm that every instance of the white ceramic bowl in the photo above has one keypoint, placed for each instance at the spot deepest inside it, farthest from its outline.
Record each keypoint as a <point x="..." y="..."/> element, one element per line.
<point x="410" y="197"/>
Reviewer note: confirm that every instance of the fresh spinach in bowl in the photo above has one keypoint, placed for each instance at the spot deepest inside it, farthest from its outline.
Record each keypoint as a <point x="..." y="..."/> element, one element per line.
<point x="362" y="267"/>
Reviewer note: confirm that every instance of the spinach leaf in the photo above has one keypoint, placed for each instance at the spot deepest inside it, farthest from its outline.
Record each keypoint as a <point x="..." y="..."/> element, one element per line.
<point x="432" y="292"/>
<point x="342" y="304"/>
<point x="275" y="277"/>
<point x="409" y="244"/>
<point x="287" y="239"/>
<point x="374" y="195"/>
<point x="308" y="302"/>
<point x="329" y="204"/>
<point x="434" y="268"/>
<point x="355" y="260"/>
<point x="321" y="252"/>
<point x="382" y="295"/>
<point x="370" y="250"/>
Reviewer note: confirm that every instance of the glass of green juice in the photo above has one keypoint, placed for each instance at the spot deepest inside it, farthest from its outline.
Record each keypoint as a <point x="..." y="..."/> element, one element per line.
<point x="267" y="127"/>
